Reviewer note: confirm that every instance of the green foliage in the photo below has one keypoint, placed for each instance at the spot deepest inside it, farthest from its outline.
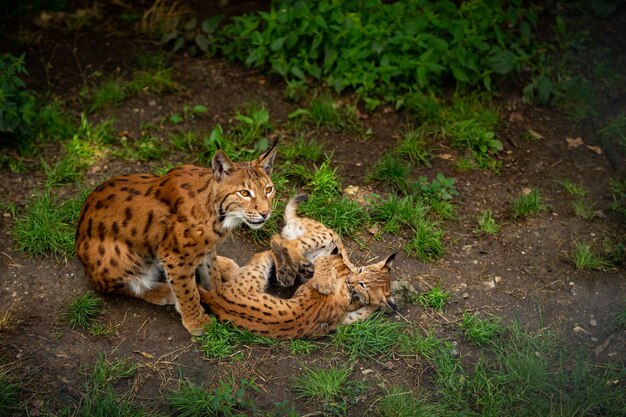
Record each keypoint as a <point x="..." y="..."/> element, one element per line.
<point x="576" y="190"/>
<point x="331" y="386"/>
<point x="364" y="45"/>
<point x="480" y="331"/>
<point x="9" y="396"/>
<point x="434" y="298"/>
<point x="144" y="148"/>
<point x="17" y="104"/>
<point x="399" y="402"/>
<point x="529" y="204"/>
<point x="300" y="347"/>
<point x="413" y="146"/>
<point x="585" y="258"/>
<point x="193" y="36"/>
<point x="614" y="131"/>
<point x="83" y="311"/>
<point x="303" y="149"/>
<point x="188" y="113"/>
<point x="487" y="223"/>
<point x="391" y="172"/>
<point x="226" y="400"/>
<point x="618" y="191"/>
<point x="339" y="213"/>
<point x="109" y="92"/>
<point x="373" y="337"/>
<point x="427" y="241"/>
<point x="221" y="340"/>
<point x="156" y="81"/>
<point x="48" y="227"/>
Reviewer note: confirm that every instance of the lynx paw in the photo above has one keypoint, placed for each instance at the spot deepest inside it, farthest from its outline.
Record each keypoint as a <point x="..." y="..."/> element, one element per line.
<point x="196" y="327"/>
<point x="326" y="281"/>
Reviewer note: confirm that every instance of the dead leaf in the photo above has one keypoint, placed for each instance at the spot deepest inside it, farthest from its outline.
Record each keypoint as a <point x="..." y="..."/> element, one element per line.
<point x="526" y="190"/>
<point x="445" y="156"/>
<point x="145" y="354"/>
<point x="534" y="135"/>
<point x="595" y="149"/>
<point x="515" y="117"/>
<point x="574" y="142"/>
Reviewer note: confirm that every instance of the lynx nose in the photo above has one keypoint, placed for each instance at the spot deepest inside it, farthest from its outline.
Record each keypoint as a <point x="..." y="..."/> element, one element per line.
<point x="265" y="214"/>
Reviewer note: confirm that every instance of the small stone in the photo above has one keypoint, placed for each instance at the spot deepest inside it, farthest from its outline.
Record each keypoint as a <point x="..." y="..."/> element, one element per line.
<point x="498" y="279"/>
<point x="489" y="285"/>
<point x="465" y="295"/>
<point x="593" y="322"/>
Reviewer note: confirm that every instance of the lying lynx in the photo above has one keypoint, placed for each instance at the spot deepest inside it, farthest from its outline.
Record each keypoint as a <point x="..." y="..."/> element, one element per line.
<point x="336" y="294"/>
<point x="134" y="227"/>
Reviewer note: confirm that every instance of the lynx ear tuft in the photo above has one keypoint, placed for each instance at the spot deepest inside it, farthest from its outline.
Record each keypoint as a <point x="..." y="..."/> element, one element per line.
<point x="222" y="165"/>
<point x="266" y="161"/>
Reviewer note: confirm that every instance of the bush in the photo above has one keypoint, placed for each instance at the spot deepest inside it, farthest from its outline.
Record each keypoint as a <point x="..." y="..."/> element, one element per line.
<point x="17" y="104"/>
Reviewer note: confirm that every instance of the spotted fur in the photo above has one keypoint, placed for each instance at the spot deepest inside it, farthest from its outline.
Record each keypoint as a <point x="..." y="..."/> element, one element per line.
<point x="337" y="293"/>
<point x="133" y="227"/>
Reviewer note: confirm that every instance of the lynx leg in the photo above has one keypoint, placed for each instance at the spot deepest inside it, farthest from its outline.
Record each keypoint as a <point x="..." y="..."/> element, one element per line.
<point x="361" y="314"/>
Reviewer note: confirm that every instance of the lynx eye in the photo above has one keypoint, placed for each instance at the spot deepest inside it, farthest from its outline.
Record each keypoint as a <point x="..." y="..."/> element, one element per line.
<point x="244" y="193"/>
<point x="362" y="285"/>
<point x="359" y="270"/>
<point x="269" y="189"/>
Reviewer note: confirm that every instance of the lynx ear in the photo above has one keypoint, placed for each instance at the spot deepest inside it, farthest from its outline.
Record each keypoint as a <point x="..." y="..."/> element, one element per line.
<point x="387" y="263"/>
<point x="222" y="165"/>
<point x="266" y="161"/>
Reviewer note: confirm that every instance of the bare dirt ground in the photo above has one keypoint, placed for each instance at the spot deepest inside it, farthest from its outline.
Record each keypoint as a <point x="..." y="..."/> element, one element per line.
<point x="524" y="272"/>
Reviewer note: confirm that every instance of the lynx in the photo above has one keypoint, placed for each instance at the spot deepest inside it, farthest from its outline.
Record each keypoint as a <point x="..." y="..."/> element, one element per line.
<point x="337" y="293"/>
<point x="134" y="227"/>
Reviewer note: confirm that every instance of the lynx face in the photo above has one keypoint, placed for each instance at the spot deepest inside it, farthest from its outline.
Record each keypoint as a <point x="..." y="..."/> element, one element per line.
<point x="245" y="192"/>
<point x="372" y="284"/>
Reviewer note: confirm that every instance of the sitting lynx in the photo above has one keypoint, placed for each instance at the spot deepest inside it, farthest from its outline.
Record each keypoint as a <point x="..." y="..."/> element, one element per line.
<point x="336" y="294"/>
<point x="133" y="227"/>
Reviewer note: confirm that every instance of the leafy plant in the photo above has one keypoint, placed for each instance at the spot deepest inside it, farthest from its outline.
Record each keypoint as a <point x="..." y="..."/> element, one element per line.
<point x="362" y="45"/>
<point x="226" y="400"/>
<point x="188" y="113"/>
<point x="17" y="104"/>
<point x="301" y="347"/>
<point x="195" y="37"/>
<point x="391" y="172"/>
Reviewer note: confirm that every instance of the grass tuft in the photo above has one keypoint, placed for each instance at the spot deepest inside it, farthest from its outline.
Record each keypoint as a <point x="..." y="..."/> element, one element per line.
<point x="434" y="298"/>
<point x="400" y="402"/>
<point x="83" y="311"/>
<point x="326" y="385"/>
<point x="585" y="258"/>
<point x="528" y="204"/>
<point x="369" y="338"/>
<point x="413" y="146"/>
<point x="487" y="223"/>
<point x="392" y="172"/>
<point x="301" y="347"/>
<point x="480" y="331"/>
<point x="221" y="340"/>
<point x="48" y="227"/>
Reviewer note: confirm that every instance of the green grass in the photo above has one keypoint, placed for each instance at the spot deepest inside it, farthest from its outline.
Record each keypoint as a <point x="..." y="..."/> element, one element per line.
<point x="400" y="402"/>
<point x="154" y="81"/>
<point x="109" y="92"/>
<point x="339" y="213"/>
<point x="185" y="141"/>
<point x="391" y="172"/>
<point x="434" y="298"/>
<point x="574" y="189"/>
<point x="144" y="148"/>
<point x="529" y="204"/>
<point x="373" y="337"/>
<point x="618" y="192"/>
<point x="481" y="331"/>
<point x="326" y="385"/>
<point x="614" y="131"/>
<point x="83" y="312"/>
<point x="414" y="147"/>
<point x="48" y="227"/>
<point x="302" y="149"/>
<point x="223" y="340"/>
<point x="487" y="223"/>
<point x="225" y="400"/>
<point x="583" y="209"/>
<point x="9" y="396"/>
<point x="325" y="112"/>
<point x="427" y="241"/>
<point x="152" y="59"/>
<point x="585" y="258"/>
<point x="301" y="347"/>
<point x="100" y="398"/>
